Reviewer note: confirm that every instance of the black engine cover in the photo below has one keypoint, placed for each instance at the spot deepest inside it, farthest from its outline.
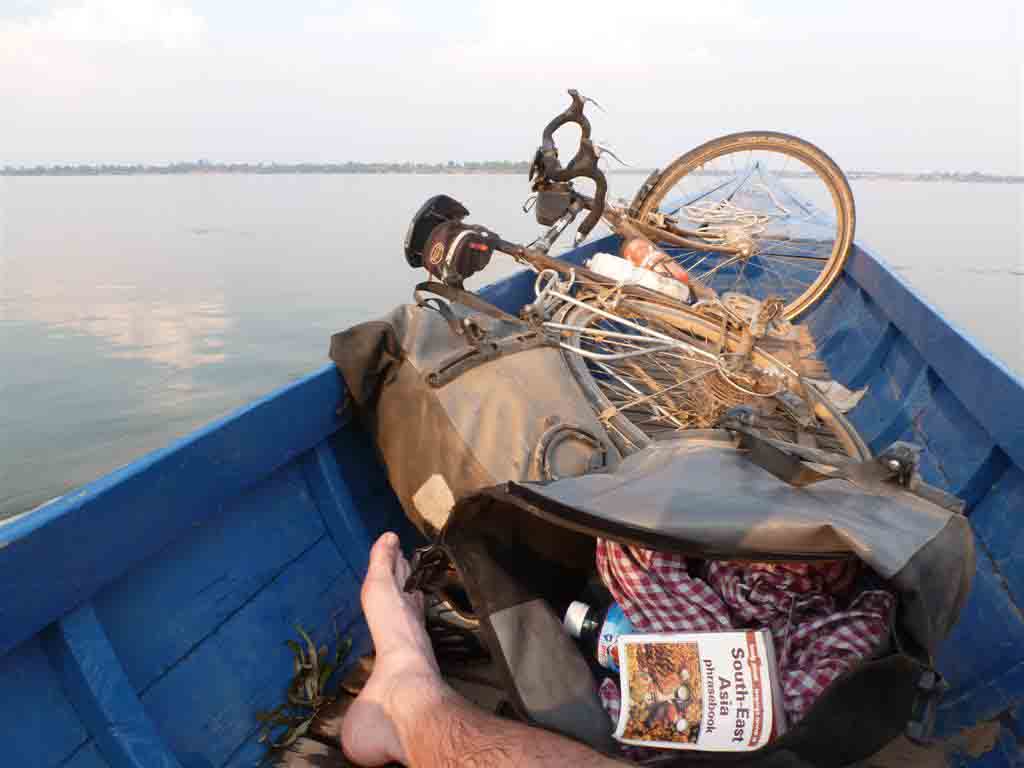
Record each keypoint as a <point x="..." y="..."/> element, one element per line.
<point x="436" y="210"/>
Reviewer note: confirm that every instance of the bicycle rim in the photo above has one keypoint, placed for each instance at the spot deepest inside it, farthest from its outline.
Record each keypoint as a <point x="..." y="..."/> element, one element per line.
<point x="778" y="208"/>
<point x="655" y="395"/>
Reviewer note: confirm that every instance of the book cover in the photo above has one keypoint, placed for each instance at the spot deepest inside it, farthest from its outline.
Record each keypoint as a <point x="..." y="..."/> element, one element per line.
<point x="709" y="691"/>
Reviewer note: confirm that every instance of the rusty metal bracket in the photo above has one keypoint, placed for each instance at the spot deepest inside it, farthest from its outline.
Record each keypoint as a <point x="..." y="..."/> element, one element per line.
<point x="483" y="351"/>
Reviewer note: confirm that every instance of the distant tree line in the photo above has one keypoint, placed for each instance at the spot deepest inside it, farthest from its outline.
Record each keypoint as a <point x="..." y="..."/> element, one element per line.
<point x="450" y="167"/>
<point x="202" y="166"/>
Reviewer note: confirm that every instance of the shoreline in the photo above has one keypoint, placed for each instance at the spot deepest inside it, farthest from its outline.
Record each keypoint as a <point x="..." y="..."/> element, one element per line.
<point x="425" y="169"/>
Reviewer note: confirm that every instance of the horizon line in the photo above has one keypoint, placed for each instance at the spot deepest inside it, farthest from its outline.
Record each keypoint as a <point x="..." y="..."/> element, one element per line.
<point x="394" y="166"/>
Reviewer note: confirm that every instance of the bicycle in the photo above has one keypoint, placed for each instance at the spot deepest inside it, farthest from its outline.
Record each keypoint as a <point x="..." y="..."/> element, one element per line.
<point x="721" y="210"/>
<point x="648" y="363"/>
<point x="650" y="368"/>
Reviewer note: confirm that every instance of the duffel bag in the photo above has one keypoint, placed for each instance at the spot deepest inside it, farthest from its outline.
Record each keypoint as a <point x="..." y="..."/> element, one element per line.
<point x="522" y="547"/>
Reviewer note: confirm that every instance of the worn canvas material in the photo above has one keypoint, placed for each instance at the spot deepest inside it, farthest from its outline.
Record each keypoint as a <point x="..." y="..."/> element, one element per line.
<point x="702" y="496"/>
<point x="440" y="444"/>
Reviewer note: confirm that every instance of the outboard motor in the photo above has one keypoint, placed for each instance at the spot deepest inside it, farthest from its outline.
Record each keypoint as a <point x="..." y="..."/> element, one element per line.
<point x="444" y="245"/>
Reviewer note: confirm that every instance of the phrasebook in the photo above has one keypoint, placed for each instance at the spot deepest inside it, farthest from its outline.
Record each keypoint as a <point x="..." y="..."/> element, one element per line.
<point x="711" y="691"/>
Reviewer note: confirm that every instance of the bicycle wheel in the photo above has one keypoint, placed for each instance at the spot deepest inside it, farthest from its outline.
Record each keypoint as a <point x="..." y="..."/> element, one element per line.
<point x="771" y="214"/>
<point x="650" y="395"/>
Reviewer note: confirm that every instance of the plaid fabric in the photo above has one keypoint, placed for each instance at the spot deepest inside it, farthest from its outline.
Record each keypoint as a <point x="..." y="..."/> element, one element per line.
<point x="819" y="631"/>
<point x="657" y="592"/>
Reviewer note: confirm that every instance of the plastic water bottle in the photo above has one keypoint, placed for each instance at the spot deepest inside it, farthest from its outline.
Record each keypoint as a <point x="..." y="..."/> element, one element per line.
<point x="598" y="629"/>
<point x="643" y="253"/>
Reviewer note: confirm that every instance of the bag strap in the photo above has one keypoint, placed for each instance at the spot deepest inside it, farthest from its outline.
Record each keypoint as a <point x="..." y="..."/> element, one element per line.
<point x="898" y="465"/>
<point x="548" y="681"/>
<point x="482" y="350"/>
<point x="460" y="296"/>
<point x="482" y="346"/>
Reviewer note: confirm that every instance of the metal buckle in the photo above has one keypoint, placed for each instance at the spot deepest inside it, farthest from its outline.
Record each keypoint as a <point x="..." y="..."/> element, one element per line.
<point x="429" y="564"/>
<point x="930" y="687"/>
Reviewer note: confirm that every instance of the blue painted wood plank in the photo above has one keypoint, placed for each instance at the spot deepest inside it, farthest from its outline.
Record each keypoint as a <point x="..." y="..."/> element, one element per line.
<point x="206" y="706"/>
<point x="102" y="694"/>
<point x="907" y="401"/>
<point x="88" y="756"/>
<point x="984" y="385"/>
<point x="100" y="531"/>
<point x="880" y="417"/>
<point x="337" y="507"/>
<point x="359" y="463"/>
<point x="996" y="519"/>
<point x="853" y="336"/>
<point x="904" y="366"/>
<point x="867" y="351"/>
<point x="206" y="575"/>
<point x="983" y="658"/>
<point x="916" y="390"/>
<point x="903" y="412"/>
<point x="957" y="445"/>
<point x="359" y="466"/>
<point x="1014" y="721"/>
<point x="864" y="368"/>
<point x="830" y="315"/>
<point x="250" y="753"/>
<point x="38" y="725"/>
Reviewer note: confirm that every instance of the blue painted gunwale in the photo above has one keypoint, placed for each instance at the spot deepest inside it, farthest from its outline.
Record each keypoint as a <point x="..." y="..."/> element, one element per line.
<point x="143" y="617"/>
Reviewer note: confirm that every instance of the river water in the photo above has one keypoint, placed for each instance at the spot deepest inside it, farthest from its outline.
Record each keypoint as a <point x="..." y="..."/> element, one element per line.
<point x="134" y="309"/>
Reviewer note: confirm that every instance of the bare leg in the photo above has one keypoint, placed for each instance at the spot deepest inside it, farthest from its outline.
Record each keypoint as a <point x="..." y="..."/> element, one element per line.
<point x="407" y="714"/>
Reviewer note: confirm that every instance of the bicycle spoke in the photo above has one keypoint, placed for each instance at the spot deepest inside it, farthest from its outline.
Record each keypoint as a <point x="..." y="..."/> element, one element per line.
<point x="785" y="282"/>
<point x="727" y="262"/>
<point x="775" y="200"/>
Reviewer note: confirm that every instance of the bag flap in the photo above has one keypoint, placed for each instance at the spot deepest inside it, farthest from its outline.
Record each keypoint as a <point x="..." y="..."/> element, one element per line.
<point x="510" y="552"/>
<point x="704" y="497"/>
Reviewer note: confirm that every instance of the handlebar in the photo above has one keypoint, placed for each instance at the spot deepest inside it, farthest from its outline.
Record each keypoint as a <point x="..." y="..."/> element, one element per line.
<point x="547" y="170"/>
<point x="574" y="114"/>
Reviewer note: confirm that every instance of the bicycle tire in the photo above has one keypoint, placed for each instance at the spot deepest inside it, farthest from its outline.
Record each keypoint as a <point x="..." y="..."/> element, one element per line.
<point x="650" y="197"/>
<point x="629" y="435"/>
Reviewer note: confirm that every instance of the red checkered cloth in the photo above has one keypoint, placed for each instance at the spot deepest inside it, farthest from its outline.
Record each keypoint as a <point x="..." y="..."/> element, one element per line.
<point x="819" y="629"/>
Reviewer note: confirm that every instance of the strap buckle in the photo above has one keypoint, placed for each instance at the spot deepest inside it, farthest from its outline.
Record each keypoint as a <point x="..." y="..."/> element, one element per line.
<point x="429" y="566"/>
<point x="930" y="688"/>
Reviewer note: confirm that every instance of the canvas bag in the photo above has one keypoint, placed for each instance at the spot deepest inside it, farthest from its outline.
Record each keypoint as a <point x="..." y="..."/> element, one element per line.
<point x="461" y="396"/>
<point x="522" y="546"/>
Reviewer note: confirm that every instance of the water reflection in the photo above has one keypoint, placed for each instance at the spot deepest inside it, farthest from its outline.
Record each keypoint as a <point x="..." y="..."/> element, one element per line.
<point x="183" y="334"/>
<point x="95" y="376"/>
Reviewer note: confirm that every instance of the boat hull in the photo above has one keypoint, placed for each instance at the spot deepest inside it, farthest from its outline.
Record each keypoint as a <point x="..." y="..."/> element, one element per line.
<point x="143" y="617"/>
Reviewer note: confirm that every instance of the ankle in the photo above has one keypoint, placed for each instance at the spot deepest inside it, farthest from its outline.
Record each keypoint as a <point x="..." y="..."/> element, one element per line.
<point x="416" y="703"/>
<point x="416" y="695"/>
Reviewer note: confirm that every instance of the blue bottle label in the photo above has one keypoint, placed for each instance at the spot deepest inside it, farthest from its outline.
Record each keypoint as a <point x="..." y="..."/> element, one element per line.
<point x="615" y="624"/>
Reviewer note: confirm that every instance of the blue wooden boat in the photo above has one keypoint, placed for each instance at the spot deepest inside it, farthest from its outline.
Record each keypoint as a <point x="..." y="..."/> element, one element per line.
<point x="143" y="618"/>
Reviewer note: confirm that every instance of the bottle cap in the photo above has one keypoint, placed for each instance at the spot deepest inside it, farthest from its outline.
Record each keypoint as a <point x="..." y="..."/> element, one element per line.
<point x="574" y="616"/>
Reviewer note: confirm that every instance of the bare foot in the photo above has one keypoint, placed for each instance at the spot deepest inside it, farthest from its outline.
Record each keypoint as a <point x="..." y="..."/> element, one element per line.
<point x="405" y="676"/>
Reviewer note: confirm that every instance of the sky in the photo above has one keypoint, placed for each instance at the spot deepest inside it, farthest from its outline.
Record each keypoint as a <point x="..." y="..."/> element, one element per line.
<point x="894" y="85"/>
